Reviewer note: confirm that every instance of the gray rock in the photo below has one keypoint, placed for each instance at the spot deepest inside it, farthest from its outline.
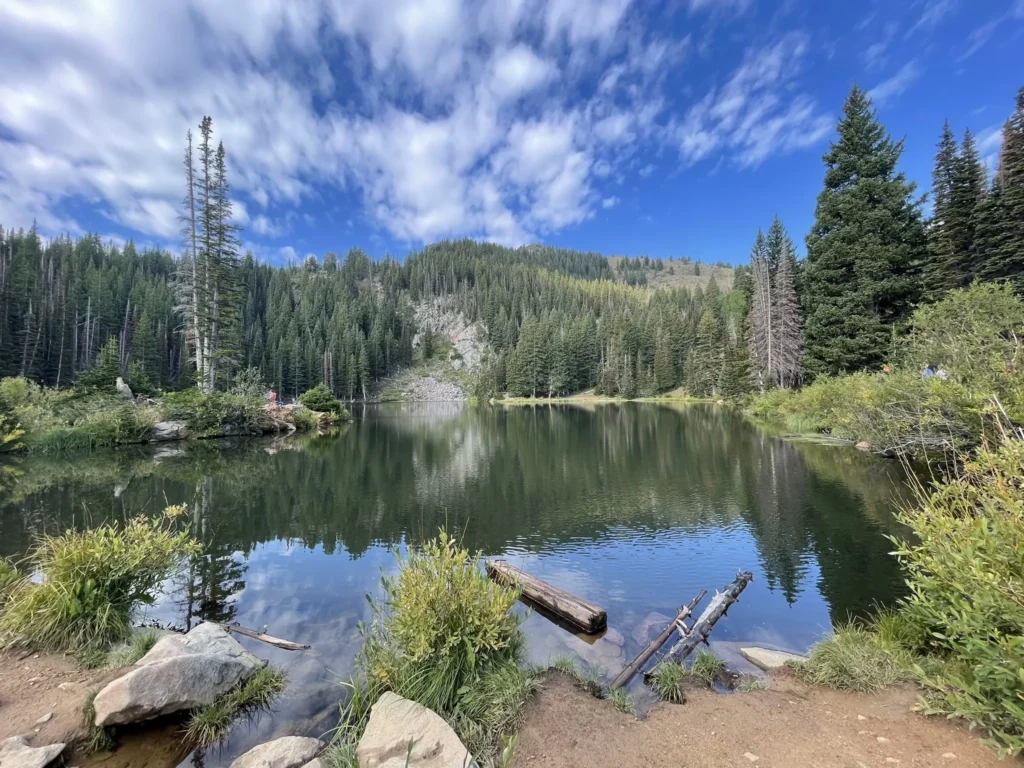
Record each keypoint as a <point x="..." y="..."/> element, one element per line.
<point x="394" y="722"/>
<point x="863" y="445"/>
<point x="15" y="752"/>
<point x="124" y="389"/>
<point x="315" y="763"/>
<point x="45" y="718"/>
<point x="286" y="752"/>
<point x="169" y="430"/>
<point x="180" y="672"/>
<point x="766" y="658"/>
<point x="642" y="633"/>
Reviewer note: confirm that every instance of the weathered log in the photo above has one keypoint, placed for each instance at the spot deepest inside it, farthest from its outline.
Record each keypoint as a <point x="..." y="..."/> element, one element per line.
<point x="574" y="610"/>
<point x="286" y="645"/>
<point x="637" y="664"/>
<point x="716" y="609"/>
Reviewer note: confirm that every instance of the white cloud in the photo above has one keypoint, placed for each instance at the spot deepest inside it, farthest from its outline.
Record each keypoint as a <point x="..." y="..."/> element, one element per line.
<point x="609" y="202"/>
<point x="444" y="117"/>
<point x="897" y="84"/>
<point x="756" y="113"/>
<point x="934" y="13"/>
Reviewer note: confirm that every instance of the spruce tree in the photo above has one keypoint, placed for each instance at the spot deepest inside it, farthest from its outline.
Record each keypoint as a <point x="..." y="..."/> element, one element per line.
<point x="865" y="249"/>
<point x="965" y="204"/>
<point x="940" y="266"/>
<point x="1001" y="220"/>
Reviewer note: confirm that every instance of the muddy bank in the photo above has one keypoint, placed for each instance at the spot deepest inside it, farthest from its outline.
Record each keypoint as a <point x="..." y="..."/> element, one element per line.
<point x="785" y="726"/>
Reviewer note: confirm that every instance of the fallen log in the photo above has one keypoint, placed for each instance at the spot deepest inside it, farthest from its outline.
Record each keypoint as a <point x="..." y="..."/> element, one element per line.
<point x="574" y="610"/>
<point x="277" y="642"/>
<point x="637" y="664"/>
<point x="716" y="609"/>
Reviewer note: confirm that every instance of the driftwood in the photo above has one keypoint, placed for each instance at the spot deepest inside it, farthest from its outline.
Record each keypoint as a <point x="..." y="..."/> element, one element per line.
<point x="716" y="609"/>
<point x="277" y="642"/>
<point x="677" y="623"/>
<point x="574" y="610"/>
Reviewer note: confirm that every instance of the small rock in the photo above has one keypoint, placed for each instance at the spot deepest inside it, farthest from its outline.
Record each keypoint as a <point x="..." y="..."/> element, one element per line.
<point x="768" y="659"/>
<point x="286" y="752"/>
<point x="881" y="740"/>
<point x="751" y="757"/>
<point x="45" y="718"/>
<point x="863" y="445"/>
<point x="861" y="717"/>
<point x="949" y="756"/>
<point x="16" y="753"/>
<point x="33" y="680"/>
<point x="862" y="733"/>
<point x="891" y="760"/>
<point x="68" y="686"/>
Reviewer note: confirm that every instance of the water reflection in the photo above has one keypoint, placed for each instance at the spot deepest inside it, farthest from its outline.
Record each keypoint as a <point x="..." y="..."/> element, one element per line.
<point x="633" y="507"/>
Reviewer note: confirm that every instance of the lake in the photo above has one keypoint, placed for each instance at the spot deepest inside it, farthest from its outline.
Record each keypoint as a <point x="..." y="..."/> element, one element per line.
<point x="635" y="507"/>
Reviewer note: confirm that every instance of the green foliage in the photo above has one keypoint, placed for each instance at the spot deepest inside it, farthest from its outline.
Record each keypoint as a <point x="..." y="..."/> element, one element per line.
<point x="586" y="680"/>
<point x="750" y="684"/>
<point x="304" y="419"/>
<point x="206" y="413"/>
<point x="138" y="645"/>
<point x="9" y="576"/>
<point x="444" y="637"/>
<point x="211" y="723"/>
<point x="863" y="249"/>
<point x="91" y="583"/>
<point x="622" y="701"/>
<point x="965" y="571"/>
<point x="320" y="398"/>
<point x="705" y="666"/>
<point x="104" y="372"/>
<point x="98" y="739"/>
<point x="856" y="657"/>
<point x="249" y="384"/>
<point x="668" y="679"/>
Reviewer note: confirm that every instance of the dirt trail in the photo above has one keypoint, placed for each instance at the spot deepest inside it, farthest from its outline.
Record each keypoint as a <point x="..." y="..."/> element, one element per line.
<point x="787" y="726"/>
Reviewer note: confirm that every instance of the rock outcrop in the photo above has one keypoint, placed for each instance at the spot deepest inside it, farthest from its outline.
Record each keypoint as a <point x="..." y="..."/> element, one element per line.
<point x="169" y="430"/>
<point x="181" y="672"/>
<point x="15" y="752"/>
<point x="395" y="723"/>
<point x="286" y="752"/>
<point x="768" y="658"/>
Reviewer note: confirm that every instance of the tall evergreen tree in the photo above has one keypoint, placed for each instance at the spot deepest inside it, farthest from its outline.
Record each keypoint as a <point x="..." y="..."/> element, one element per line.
<point x="865" y="249"/>
<point x="942" y="255"/>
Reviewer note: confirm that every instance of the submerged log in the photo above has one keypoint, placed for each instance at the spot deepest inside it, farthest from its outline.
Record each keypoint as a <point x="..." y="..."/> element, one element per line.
<point x="574" y="610"/>
<point x="716" y="609"/>
<point x="637" y="664"/>
<point x="286" y="645"/>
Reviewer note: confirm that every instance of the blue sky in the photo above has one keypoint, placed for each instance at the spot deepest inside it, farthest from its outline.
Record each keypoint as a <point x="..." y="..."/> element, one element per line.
<point x="619" y="126"/>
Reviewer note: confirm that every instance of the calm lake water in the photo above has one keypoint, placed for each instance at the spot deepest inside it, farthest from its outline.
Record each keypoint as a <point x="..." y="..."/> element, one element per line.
<point x="633" y="507"/>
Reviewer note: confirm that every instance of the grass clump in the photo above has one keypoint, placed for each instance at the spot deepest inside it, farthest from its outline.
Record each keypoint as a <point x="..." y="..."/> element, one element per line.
<point x="444" y="637"/>
<point x="706" y="666"/>
<point x="586" y="680"/>
<point x="750" y="683"/>
<point x="622" y="701"/>
<point x="138" y="645"/>
<point x="856" y="658"/>
<point x="90" y="584"/>
<point x="211" y="723"/>
<point x="98" y="738"/>
<point x="668" y="679"/>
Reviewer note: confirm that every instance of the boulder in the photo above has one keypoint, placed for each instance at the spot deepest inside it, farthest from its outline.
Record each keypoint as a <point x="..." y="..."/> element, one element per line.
<point x="169" y="430"/>
<point x="766" y="658"/>
<point x="394" y="723"/>
<point x="15" y="752"/>
<point x="315" y="763"/>
<point x="863" y="445"/>
<point x="286" y="752"/>
<point x="181" y="672"/>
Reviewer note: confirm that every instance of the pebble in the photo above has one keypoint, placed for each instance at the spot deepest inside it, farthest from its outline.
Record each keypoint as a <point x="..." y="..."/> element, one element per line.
<point x="861" y="717"/>
<point x="881" y="740"/>
<point x="949" y="756"/>
<point x="892" y="760"/>
<point x="751" y="757"/>
<point x="45" y="718"/>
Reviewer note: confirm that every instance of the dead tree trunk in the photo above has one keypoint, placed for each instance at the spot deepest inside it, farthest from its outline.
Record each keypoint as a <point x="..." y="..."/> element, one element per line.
<point x="574" y="610"/>
<point x="716" y="609"/>
<point x="677" y="623"/>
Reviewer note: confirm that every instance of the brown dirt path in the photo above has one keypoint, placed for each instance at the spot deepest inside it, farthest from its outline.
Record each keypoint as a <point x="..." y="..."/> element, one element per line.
<point x="789" y="725"/>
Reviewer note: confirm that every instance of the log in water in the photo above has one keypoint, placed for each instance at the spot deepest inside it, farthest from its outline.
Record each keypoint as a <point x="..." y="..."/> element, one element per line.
<point x="574" y="610"/>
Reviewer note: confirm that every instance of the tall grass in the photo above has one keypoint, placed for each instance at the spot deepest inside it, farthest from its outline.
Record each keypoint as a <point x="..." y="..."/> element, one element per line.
<point x="211" y="723"/>
<point x="856" y="658"/>
<point x="90" y="583"/>
<point x="445" y="638"/>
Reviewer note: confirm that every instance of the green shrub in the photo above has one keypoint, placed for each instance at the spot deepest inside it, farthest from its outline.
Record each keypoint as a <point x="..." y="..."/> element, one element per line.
<point x="8" y="577"/>
<point x="444" y="637"/>
<point x="206" y="413"/>
<point x="706" y="666"/>
<point x="320" y="398"/>
<point x="966" y="577"/>
<point x="668" y="679"/>
<point x="102" y="376"/>
<point x="305" y="419"/>
<point x="90" y="584"/>
<point x="250" y="385"/>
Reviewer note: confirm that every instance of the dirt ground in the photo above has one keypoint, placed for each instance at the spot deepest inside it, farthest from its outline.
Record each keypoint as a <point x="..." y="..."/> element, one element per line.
<point x="35" y="685"/>
<point x="787" y="726"/>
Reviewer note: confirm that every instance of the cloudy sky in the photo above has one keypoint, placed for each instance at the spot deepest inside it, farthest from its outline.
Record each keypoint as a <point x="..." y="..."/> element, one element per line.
<point x="622" y="126"/>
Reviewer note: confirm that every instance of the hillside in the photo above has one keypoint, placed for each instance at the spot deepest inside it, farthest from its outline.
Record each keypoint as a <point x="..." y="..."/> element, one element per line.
<point x="670" y="273"/>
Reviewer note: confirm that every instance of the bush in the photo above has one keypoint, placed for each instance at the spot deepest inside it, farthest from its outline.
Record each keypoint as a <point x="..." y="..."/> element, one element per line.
<point x="966" y="578"/>
<point x="250" y="385"/>
<point x="206" y="413"/>
<point x="8" y="577"/>
<point x="444" y="637"/>
<point x="91" y="582"/>
<point x="856" y="657"/>
<point x="320" y="398"/>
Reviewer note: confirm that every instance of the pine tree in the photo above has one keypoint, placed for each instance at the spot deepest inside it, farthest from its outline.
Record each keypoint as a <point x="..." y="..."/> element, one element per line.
<point x="940" y="268"/>
<point x="788" y="322"/>
<point x="865" y="249"/>
<point x="760" y="318"/>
